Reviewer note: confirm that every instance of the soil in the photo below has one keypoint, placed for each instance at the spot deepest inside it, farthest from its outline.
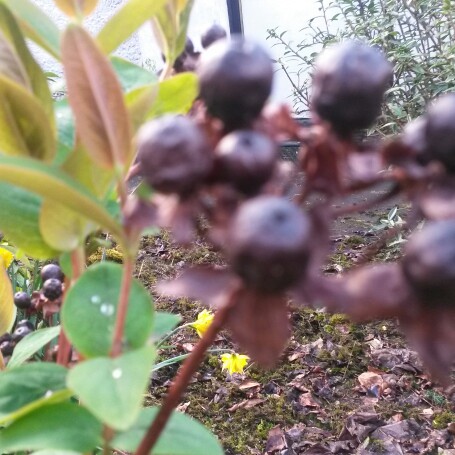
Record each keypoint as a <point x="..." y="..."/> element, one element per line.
<point x="340" y="388"/>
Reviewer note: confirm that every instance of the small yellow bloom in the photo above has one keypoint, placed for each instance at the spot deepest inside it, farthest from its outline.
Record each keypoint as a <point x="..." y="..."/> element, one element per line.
<point x="203" y="321"/>
<point x="234" y="363"/>
<point x="6" y="257"/>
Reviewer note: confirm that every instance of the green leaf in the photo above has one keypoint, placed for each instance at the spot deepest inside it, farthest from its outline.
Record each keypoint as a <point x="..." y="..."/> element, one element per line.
<point x="90" y="311"/>
<point x="130" y="75"/>
<point x="62" y="228"/>
<point x="36" y="25"/>
<point x="96" y="98"/>
<point x="7" y="308"/>
<point x="174" y="95"/>
<point x="62" y="426"/>
<point x="31" y="344"/>
<point x="98" y="180"/>
<point x="65" y="131"/>
<point x="19" y="221"/>
<point x="170" y="27"/>
<point x="49" y="182"/>
<point x="55" y="452"/>
<point x="25" y="128"/>
<point x="29" y="386"/>
<point x="164" y="323"/>
<point x="126" y="20"/>
<point x="35" y="78"/>
<point x="181" y="436"/>
<point x="113" y="389"/>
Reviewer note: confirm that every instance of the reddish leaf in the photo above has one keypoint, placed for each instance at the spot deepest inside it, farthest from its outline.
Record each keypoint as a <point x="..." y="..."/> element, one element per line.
<point x="96" y="98"/>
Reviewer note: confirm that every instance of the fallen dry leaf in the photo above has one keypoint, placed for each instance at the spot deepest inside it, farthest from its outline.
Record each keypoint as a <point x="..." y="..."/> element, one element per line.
<point x="276" y="440"/>
<point x="248" y="384"/>
<point x="371" y="382"/>
<point x="246" y="404"/>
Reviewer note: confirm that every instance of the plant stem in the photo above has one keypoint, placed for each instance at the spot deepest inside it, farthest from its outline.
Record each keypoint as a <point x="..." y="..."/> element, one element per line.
<point x="173" y="332"/>
<point x="77" y="267"/>
<point x="122" y="309"/>
<point x="189" y="367"/>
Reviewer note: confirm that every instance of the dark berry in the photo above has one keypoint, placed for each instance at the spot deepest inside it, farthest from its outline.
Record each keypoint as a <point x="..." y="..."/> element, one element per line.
<point x="25" y="323"/>
<point x="51" y="271"/>
<point x="429" y="262"/>
<point x="214" y="33"/>
<point x="245" y="159"/>
<point x="21" y="332"/>
<point x="235" y="80"/>
<point x="440" y="131"/>
<point x="174" y="155"/>
<point x="348" y="85"/>
<point x="7" y="348"/>
<point x="182" y="61"/>
<point x="269" y="243"/>
<point x="414" y="138"/>
<point x="5" y="337"/>
<point x="52" y="289"/>
<point x="22" y="300"/>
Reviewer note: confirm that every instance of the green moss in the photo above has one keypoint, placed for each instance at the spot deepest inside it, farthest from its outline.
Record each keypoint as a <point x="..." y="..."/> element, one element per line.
<point x="376" y="446"/>
<point x="444" y="418"/>
<point x="111" y="254"/>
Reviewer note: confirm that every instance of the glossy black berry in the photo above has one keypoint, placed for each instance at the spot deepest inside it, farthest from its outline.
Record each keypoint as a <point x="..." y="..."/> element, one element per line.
<point x="212" y="34"/>
<point x="7" y="348"/>
<point x="51" y="271"/>
<point x="25" y="323"/>
<point x="429" y="262"/>
<point x="52" y="289"/>
<point x="20" y="332"/>
<point x="269" y="243"/>
<point x="174" y="155"/>
<point x="245" y="159"/>
<point x="22" y="300"/>
<point x="349" y="83"/>
<point x="440" y="131"/>
<point x="235" y="80"/>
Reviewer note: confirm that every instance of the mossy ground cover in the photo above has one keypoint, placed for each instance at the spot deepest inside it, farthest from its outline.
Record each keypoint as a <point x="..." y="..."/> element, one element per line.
<point x="315" y="391"/>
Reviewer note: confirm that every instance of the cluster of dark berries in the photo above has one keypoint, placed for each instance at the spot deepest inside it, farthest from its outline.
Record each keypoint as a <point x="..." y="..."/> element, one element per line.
<point x="8" y="341"/>
<point x="221" y="164"/>
<point x="45" y="302"/>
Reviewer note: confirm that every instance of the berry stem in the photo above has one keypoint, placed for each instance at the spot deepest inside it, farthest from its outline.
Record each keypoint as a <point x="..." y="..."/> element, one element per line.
<point x="77" y="268"/>
<point x="127" y="279"/>
<point x="188" y="368"/>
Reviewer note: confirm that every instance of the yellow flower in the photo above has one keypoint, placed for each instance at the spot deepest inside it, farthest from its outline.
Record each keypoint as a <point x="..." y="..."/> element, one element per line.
<point x="6" y="257"/>
<point x="234" y="363"/>
<point x="203" y="321"/>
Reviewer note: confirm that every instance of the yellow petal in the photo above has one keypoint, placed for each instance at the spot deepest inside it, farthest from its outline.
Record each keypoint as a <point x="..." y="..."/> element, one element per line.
<point x="6" y="256"/>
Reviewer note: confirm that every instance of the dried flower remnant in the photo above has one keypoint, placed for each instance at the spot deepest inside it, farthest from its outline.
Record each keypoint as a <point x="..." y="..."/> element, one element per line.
<point x="203" y="321"/>
<point x="234" y="363"/>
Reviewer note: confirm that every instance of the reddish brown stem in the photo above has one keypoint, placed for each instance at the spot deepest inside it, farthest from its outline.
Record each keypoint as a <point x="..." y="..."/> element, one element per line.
<point x="184" y="375"/>
<point x="77" y="267"/>
<point x="122" y="309"/>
